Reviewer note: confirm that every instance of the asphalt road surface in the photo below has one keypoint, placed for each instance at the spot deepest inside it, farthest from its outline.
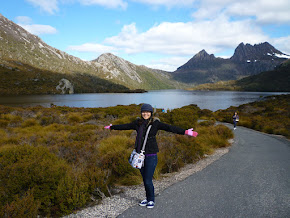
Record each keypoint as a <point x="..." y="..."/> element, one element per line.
<point x="252" y="180"/>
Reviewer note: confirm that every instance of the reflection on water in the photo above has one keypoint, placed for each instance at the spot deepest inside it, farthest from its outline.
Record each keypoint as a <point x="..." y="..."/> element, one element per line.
<point x="168" y="99"/>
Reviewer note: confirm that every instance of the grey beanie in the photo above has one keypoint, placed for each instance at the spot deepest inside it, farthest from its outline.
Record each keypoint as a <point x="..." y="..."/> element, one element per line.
<point x="147" y="107"/>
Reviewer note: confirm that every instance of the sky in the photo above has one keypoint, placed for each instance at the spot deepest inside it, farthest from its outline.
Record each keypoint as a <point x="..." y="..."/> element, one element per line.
<point x="160" y="34"/>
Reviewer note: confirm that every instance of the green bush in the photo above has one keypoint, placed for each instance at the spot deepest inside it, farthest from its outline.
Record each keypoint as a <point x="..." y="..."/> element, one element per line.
<point x="25" y="168"/>
<point x="170" y="156"/>
<point x="74" y="118"/>
<point x="29" y="122"/>
<point x="185" y="117"/>
<point x="113" y="153"/>
<point x="25" y="206"/>
<point x="210" y="122"/>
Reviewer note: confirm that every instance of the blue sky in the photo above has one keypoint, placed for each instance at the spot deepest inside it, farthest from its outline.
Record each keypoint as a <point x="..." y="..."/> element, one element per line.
<point x="162" y="34"/>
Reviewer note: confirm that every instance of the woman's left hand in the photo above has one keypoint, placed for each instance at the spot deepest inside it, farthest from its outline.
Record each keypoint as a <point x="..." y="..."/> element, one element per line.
<point x="190" y="132"/>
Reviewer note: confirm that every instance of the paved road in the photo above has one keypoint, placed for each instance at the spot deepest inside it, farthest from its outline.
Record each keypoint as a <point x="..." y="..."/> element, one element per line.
<point x="252" y="180"/>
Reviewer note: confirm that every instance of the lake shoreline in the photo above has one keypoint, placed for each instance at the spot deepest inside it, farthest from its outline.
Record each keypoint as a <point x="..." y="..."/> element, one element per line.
<point x="166" y="99"/>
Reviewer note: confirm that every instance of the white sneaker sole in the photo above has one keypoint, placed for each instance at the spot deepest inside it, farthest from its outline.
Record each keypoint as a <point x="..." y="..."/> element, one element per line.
<point x="143" y="205"/>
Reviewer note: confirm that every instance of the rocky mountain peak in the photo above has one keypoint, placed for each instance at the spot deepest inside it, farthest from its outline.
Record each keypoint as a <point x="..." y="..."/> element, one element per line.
<point x="200" y="59"/>
<point x="247" y="60"/>
<point x="117" y="66"/>
<point x="108" y="57"/>
<point x="203" y="56"/>
<point x="257" y="52"/>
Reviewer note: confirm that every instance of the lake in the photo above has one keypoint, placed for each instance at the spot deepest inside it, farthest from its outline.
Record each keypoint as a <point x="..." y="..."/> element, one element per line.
<point x="168" y="99"/>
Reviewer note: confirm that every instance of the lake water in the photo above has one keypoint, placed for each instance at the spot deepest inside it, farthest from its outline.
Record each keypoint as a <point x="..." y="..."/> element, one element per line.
<point x="168" y="99"/>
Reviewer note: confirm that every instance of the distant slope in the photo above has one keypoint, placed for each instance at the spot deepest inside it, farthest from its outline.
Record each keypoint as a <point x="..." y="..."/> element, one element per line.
<point x="131" y="75"/>
<point x="19" y="46"/>
<point x="20" y="79"/>
<point x="277" y="80"/>
<point x="247" y="60"/>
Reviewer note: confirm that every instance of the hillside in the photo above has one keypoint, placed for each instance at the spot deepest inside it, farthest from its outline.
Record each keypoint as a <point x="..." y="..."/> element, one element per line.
<point x="21" y="79"/>
<point x="247" y="60"/>
<point x="277" y="80"/>
<point x="131" y="75"/>
<point x="19" y="47"/>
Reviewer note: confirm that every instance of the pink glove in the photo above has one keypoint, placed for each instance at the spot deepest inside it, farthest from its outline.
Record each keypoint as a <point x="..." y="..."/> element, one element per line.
<point x="191" y="133"/>
<point x="108" y="127"/>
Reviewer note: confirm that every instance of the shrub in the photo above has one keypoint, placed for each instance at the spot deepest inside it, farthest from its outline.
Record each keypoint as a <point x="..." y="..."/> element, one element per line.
<point x="205" y="113"/>
<point x="72" y="193"/>
<point x="74" y="118"/>
<point x="268" y="129"/>
<point x="113" y="154"/>
<point x="25" y="206"/>
<point x="25" y="168"/>
<point x="207" y="123"/>
<point x="125" y="119"/>
<point x="29" y="122"/>
<point x="175" y="152"/>
<point x="282" y="131"/>
<point x="4" y="123"/>
<point x="223" y="131"/>
<point x="186" y="117"/>
<point x="171" y="155"/>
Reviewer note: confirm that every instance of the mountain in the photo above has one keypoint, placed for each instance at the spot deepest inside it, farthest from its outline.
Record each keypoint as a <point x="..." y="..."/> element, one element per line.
<point x="277" y="80"/>
<point x="23" y="52"/>
<point x="124" y="72"/>
<point x="205" y="68"/>
<point x="247" y="60"/>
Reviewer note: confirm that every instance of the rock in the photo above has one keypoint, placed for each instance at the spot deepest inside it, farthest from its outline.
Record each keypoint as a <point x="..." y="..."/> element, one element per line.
<point x="65" y="86"/>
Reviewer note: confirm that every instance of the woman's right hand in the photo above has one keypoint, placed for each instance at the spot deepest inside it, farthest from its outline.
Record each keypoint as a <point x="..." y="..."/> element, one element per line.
<point x="108" y="127"/>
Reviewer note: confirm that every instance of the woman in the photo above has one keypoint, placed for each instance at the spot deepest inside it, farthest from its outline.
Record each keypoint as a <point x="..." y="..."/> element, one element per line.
<point x="235" y="119"/>
<point x="151" y="149"/>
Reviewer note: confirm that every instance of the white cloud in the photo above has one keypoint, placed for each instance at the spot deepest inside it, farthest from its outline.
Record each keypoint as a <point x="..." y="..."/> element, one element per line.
<point x="187" y="38"/>
<point x="23" y="20"/>
<point x="167" y="3"/>
<point x="263" y="11"/>
<point x="49" y="6"/>
<point x="106" y="3"/>
<point x="94" y="48"/>
<point x="38" y="29"/>
<point x="168" y="64"/>
<point x="282" y="44"/>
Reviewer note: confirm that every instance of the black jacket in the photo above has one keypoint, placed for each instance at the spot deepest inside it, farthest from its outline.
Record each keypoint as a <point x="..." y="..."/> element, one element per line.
<point x="151" y="145"/>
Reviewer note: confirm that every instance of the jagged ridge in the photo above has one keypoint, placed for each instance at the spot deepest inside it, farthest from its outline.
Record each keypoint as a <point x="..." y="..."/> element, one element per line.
<point x="247" y="60"/>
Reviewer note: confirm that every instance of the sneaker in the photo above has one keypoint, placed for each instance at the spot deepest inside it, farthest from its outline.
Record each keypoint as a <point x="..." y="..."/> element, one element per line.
<point x="143" y="203"/>
<point x="150" y="204"/>
<point x="234" y="128"/>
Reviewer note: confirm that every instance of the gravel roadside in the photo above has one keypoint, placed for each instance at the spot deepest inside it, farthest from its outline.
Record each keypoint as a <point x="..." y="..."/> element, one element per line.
<point x="130" y="196"/>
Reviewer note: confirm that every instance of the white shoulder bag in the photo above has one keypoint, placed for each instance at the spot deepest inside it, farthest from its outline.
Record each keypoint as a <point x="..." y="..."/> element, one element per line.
<point x="137" y="160"/>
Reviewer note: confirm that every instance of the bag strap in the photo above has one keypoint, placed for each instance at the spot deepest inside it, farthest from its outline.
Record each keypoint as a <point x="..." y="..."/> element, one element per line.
<point x="145" y="140"/>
